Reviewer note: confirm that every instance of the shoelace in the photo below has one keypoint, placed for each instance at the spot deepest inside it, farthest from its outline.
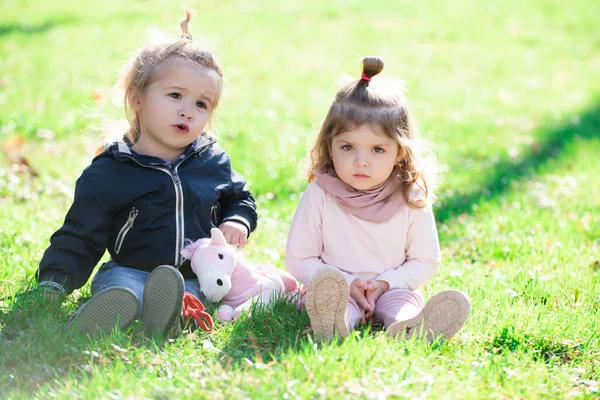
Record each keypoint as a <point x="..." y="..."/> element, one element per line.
<point x="193" y="308"/>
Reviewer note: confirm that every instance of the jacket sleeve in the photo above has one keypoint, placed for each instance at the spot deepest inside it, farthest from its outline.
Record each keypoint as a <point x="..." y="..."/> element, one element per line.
<point x="78" y="245"/>
<point x="305" y="240"/>
<point x="237" y="202"/>
<point x="422" y="253"/>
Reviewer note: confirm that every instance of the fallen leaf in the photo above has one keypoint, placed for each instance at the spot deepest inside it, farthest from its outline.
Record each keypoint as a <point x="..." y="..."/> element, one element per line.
<point x="13" y="144"/>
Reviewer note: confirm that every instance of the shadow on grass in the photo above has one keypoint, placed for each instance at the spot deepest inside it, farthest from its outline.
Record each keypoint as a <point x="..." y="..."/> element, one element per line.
<point x="499" y="177"/>
<point x="37" y="348"/>
<point x="33" y="344"/>
<point x="7" y="29"/>
<point x="266" y="333"/>
<point x="269" y="332"/>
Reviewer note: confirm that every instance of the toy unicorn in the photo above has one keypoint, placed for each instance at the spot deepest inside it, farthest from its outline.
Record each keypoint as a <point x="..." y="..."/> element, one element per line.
<point x="225" y="276"/>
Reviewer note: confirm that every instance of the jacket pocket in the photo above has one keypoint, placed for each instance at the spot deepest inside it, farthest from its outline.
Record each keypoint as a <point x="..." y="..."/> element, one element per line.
<point x="123" y="232"/>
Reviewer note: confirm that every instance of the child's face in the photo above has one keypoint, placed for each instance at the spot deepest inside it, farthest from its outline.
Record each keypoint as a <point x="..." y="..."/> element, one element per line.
<point x="174" y="109"/>
<point x="362" y="157"/>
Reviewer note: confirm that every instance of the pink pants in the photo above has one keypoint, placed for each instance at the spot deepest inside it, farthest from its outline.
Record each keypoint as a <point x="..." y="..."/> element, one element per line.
<point x="393" y="305"/>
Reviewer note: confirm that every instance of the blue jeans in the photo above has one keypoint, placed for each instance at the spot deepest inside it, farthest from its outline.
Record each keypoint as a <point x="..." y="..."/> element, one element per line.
<point x="112" y="274"/>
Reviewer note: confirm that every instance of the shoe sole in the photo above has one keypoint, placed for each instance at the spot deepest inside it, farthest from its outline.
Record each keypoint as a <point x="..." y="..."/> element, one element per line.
<point x="102" y="312"/>
<point x="163" y="299"/>
<point x="443" y="315"/>
<point x="326" y="302"/>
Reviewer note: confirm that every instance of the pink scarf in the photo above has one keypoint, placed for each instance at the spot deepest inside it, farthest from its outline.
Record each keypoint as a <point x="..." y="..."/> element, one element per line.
<point x="378" y="204"/>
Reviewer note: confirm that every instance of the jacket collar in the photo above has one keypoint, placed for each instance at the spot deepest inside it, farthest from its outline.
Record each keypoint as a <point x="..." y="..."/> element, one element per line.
<point x="121" y="151"/>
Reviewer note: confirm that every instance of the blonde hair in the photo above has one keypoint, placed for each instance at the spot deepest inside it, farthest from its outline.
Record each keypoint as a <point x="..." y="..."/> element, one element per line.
<point x="145" y="65"/>
<point x="379" y="103"/>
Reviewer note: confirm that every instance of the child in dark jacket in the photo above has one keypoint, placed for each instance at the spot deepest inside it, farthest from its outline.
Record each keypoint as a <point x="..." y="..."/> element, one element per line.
<point x="166" y="181"/>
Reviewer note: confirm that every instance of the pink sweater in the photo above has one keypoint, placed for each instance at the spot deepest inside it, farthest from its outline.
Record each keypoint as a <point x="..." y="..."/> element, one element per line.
<point x="403" y="251"/>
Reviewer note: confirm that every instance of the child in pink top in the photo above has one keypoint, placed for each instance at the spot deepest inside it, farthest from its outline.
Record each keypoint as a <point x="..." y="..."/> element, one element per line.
<point x="363" y="238"/>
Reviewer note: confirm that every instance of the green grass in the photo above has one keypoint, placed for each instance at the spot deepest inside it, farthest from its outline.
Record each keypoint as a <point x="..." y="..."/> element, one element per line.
<point x="508" y="92"/>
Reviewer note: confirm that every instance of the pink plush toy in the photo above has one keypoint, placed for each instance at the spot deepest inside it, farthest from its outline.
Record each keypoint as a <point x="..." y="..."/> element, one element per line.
<point x="225" y="275"/>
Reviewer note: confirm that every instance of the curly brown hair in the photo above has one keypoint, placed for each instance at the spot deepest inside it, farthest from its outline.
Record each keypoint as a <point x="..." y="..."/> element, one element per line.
<point x="382" y="104"/>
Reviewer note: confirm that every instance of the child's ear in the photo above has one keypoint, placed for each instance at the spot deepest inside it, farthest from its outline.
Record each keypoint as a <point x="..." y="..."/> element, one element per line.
<point x="135" y="101"/>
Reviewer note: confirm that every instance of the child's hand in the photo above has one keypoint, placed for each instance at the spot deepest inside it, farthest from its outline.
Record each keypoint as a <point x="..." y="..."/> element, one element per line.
<point x="358" y="288"/>
<point x="374" y="290"/>
<point x="235" y="233"/>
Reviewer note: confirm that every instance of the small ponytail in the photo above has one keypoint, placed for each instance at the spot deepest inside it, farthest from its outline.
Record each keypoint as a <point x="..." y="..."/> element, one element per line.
<point x="371" y="66"/>
<point x="186" y="23"/>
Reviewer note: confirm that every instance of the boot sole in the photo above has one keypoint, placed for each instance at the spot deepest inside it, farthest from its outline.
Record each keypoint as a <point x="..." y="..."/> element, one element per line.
<point x="102" y="312"/>
<point x="163" y="299"/>
<point x="326" y="302"/>
<point x="443" y="315"/>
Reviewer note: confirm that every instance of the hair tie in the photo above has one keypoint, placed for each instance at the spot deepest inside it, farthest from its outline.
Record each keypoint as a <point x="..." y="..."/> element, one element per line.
<point x="365" y="77"/>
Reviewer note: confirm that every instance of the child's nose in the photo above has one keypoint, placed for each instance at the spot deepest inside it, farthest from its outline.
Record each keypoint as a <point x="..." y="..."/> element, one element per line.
<point x="186" y="112"/>
<point x="361" y="160"/>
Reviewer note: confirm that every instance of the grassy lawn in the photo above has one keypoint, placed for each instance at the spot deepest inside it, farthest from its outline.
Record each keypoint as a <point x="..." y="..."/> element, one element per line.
<point x="507" y="90"/>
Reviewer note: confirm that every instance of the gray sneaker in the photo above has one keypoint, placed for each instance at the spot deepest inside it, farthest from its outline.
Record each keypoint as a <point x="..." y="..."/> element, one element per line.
<point x="163" y="299"/>
<point x="116" y="306"/>
<point x="443" y="315"/>
<point x="326" y="302"/>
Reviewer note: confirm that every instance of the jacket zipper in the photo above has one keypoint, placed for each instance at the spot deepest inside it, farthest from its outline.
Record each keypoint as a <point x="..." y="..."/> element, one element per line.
<point x="128" y="225"/>
<point x="179" y="205"/>
<point x="179" y="220"/>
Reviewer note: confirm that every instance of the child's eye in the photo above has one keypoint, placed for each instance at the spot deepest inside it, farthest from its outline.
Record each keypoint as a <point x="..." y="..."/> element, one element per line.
<point x="378" y="150"/>
<point x="175" y="95"/>
<point x="200" y="104"/>
<point x="347" y="147"/>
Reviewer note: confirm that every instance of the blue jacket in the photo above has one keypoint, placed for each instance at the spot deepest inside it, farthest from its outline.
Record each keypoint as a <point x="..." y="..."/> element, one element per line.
<point x="142" y="208"/>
